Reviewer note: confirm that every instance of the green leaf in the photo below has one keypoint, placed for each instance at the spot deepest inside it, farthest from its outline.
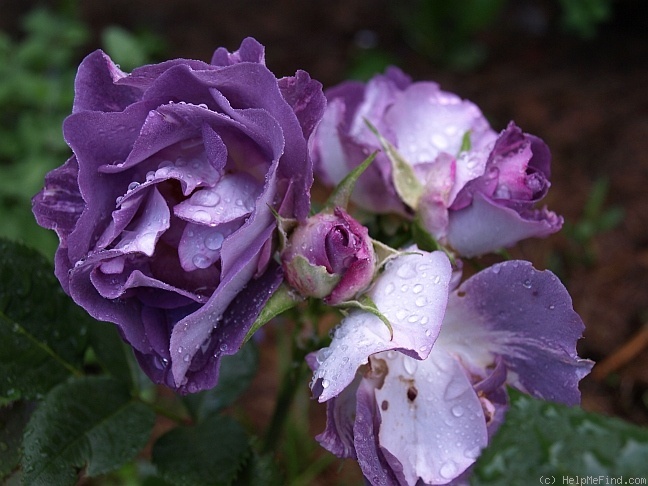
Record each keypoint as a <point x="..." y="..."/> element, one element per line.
<point x="547" y="439"/>
<point x="466" y="143"/>
<point x="90" y="422"/>
<point x="112" y="353"/>
<point x="211" y="453"/>
<point x="407" y="186"/>
<point x="283" y="299"/>
<point x="13" y="419"/>
<point x="42" y="332"/>
<point x="236" y="373"/>
<point x="342" y="193"/>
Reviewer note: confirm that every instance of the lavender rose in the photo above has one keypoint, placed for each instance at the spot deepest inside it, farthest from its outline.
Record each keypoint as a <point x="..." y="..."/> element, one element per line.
<point x="330" y="256"/>
<point x="163" y="211"/>
<point x="474" y="190"/>
<point x="418" y="408"/>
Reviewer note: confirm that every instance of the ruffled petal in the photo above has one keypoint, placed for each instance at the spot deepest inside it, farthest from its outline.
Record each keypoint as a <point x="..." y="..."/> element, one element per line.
<point x="412" y="294"/>
<point x="526" y="317"/>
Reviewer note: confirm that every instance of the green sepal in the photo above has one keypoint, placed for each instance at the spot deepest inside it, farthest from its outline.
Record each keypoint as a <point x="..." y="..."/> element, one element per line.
<point x="323" y="281"/>
<point x="284" y="298"/>
<point x="407" y="185"/>
<point x="284" y="228"/>
<point x="342" y="192"/>
<point x="365" y="303"/>
<point x="466" y="143"/>
<point x="425" y="241"/>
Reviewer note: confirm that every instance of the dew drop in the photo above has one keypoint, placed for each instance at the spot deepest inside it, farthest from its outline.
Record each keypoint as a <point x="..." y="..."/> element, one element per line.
<point x="201" y="261"/>
<point x="421" y="301"/>
<point x="448" y="470"/>
<point x="325" y="383"/>
<point x="180" y="349"/>
<point x="404" y="288"/>
<point x="214" y="241"/>
<point x="457" y="411"/>
<point x="527" y="284"/>
<point x="389" y="289"/>
<point x="410" y="365"/>
<point x="223" y="347"/>
<point x="186" y="358"/>
<point x="133" y="185"/>
<point x="401" y="314"/>
<point x="406" y="271"/>
<point x="201" y="216"/>
<point x="417" y="289"/>
<point x="552" y="307"/>
<point x="437" y="279"/>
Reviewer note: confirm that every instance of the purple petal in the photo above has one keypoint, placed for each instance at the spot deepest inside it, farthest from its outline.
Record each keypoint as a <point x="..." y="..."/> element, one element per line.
<point x="487" y="226"/>
<point x="526" y="317"/>
<point x="200" y="245"/>
<point x="412" y="294"/>
<point x="233" y="197"/>
<point x="305" y="97"/>
<point x="377" y="469"/>
<point x="250" y="51"/>
<point x="432" y="419"/>
<point x="59" y="204"/>
<point x="95" y="88"/>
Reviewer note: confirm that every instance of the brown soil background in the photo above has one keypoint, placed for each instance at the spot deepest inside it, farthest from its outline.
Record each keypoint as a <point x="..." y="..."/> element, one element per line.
<point x="587" y="99"/>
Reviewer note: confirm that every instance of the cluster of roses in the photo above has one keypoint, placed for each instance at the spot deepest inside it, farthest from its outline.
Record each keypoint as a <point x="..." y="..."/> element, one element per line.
<point x="167" y="214"/>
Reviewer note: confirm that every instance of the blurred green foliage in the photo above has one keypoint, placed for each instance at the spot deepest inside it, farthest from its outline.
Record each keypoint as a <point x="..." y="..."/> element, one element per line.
<point x="450" y="32"/>
<point x="36" y="92"/>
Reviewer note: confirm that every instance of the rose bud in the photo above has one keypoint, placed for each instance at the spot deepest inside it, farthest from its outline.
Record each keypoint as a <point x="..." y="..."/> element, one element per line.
<point x="330" y="257"/>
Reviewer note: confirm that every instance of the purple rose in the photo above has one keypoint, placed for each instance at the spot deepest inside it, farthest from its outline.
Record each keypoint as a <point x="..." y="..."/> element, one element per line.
<point x="478" y="189"/>
<point x="412" y="419"/>
<point x="330" y="256"/>
<point x="163" y="212"/>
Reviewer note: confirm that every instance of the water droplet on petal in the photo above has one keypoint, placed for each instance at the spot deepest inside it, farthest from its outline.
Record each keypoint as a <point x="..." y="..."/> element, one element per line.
<point x="410" y="365"/>
<point x="325" y="383"/>
<point x="527" y="284"/>
<point x="133" y="185"/>
<point x="201" y="216"/>
<point x="389" y="289"/>
<point x="406" y="271"/>
<point x="421" y="301"/>
<point x="214" y="241"/>
<point x="186" y="358"/>
<point x="457" y="411"/>
<point x="201" y="261"/>
<point x="448" y="470"/>
<point x="417" y="289"/>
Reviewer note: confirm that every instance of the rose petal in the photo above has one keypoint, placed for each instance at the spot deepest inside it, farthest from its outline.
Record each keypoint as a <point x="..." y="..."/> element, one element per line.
<point x="487" y="226"/>
<point x="432" y="420"/>
<point x="427" y="121"/>
<point x="200" y="246"/>
<point x="526" y="317"/>
<point x="233" y="197"/>
<point x="412" y="294"/>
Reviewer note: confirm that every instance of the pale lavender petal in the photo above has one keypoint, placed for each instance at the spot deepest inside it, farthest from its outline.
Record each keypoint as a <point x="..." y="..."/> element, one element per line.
<point x="412" y="294"/>
<point x="432" y="419"/>
<point x="200" y="245"/>
<point x="427" y="121"/>
<point x="487" y="226"/>
<point x="526" y="317"/>
<point x="305" y="97"/>
<point x="233" y="197"/>
<point x="154" y="219"/>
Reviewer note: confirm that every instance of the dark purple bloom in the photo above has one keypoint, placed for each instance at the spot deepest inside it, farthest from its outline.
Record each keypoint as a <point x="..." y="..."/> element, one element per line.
<point x="330" y="256"/>
<point x="408" y="420"/>
<point x="478" y="190"/>
<point x="163" y="212"/>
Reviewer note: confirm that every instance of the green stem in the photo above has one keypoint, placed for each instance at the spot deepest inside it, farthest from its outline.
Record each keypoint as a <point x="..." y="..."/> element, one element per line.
<point x="291" y="384"/>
